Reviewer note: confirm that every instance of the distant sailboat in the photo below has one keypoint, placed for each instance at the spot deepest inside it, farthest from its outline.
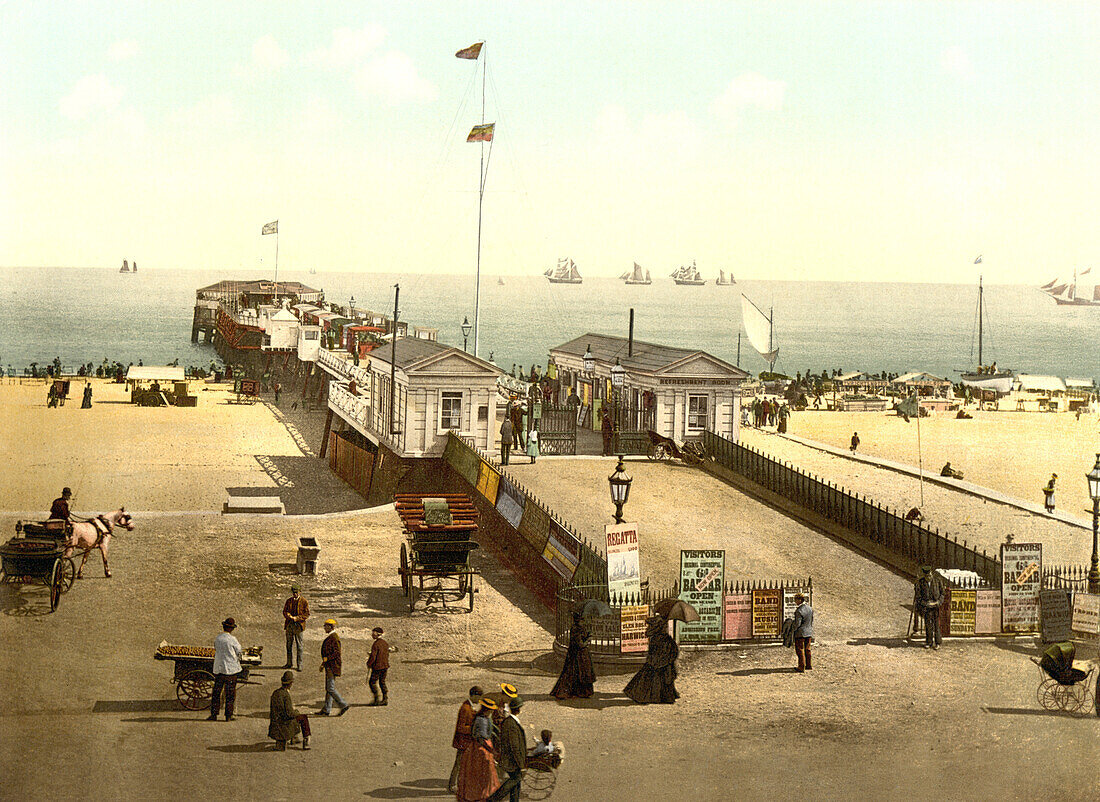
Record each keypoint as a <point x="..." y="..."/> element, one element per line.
<point x="125" y="267"/>
<point x="565" y="273"/>
<point x="761" y="330"/>
<point x="723" y="281"/>
<point x="688" y="275"/>
<point x="637" y="276"/>
<point x="986" y="378"/>
<point x="1072" y="293"/>
<point x="500" y="281"/>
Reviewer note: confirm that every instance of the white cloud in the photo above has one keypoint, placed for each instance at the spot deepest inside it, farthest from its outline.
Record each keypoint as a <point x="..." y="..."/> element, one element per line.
<point x="749" y="89"/>
<point x="92" y="93"/>
<point x="955" y="61"/>
<point x="267" y="55"/>
<point x="349" y="47"/>
<point x="123" y="49"/>
<point x="393" y="77"/>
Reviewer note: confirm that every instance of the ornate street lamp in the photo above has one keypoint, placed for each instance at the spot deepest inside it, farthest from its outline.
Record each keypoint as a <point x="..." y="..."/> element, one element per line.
<point x="618" y="373"/>
<point x="351" y="307"/>
<point x="589" y="360"/>
<point x="1093" y="477"/>
<point x="620" y="489"/>
<point x="465" y="331"/>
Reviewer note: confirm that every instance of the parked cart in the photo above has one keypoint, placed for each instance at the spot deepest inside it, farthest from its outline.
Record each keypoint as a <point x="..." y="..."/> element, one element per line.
<point x="194" y="671"/>
<point x="37" y="556"/>
<point x="435" y="557"/>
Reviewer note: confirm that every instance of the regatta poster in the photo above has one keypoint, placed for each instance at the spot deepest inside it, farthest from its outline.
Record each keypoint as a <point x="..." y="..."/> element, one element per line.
<point x="624" y="572"/>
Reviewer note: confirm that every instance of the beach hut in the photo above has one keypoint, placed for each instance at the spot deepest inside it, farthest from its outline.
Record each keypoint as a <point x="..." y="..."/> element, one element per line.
<point x="281" y="331"/>
<point x="1044" y="393"/>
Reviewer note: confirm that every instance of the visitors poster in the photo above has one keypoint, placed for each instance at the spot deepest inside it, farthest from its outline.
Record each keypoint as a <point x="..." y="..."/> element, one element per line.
<point x="702" y="574"/>
<point x="1055" y="614"/>
<point x="632" y="628"/>
<point x="562" y="551"/>
<point x="738" y="617"/>
<point x="987" y="612"/>
<point x="1086" y="615"/>
<point x="510" y="502"/>
<point x="487" y="481"/>
<point x="964" y="608"/>
<point x="1020" y="585"/>
<point x="624" y="572"/>
<point x="767" y="604"/>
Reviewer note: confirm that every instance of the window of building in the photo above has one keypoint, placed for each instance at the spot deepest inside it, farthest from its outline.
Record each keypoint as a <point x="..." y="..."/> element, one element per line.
<point x="311" y="335"/>
<point x="697" y="418"/>
<point x="450" y="410"/>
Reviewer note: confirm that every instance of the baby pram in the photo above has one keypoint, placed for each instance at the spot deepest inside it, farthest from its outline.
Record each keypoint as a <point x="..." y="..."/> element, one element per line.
<point x="542" y="774"/>
<point x="1061" y="686"/>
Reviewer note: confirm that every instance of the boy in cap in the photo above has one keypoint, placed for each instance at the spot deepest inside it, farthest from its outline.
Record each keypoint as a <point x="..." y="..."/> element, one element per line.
<point x="331" y="664"/>
<point x="227" y="667"/>
<point x="295" y="613"/>
<point x="285" y="721"/>
<point x="379" y="664"/>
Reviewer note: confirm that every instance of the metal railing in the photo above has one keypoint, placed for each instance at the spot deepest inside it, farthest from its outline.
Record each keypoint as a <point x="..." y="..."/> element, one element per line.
<point x="343" y="366"/>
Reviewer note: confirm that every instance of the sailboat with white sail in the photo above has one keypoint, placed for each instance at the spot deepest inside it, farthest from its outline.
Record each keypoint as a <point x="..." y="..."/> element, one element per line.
<point x="761" y="330"/>
<point x="1075" y="292"/>
<point x="723" y="281"/>
<point x="986" y="377"/>
<point x="636" y="276"/>
<point x="688" y="275"/>
<point x="564" y="273"/>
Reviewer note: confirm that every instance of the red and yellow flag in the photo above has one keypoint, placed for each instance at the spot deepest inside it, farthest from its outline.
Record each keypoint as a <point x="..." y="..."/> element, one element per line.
<point x="481" y="133"/>
<point x="471" y="52"/>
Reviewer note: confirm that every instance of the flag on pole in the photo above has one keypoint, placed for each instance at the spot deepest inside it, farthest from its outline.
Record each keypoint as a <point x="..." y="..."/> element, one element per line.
<point x="471" y="52"/>
<point x="481" y="133"/>
<point x="270" y="228"/>
<point x="978" y="261"/>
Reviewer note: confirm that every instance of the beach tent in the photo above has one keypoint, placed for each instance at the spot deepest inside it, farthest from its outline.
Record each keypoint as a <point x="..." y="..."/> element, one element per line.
<point x="162" y="374"/>
<point x="1043" y="385"/>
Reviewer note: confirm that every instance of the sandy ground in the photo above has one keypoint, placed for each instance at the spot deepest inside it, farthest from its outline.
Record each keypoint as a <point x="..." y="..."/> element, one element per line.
<point x="86" y="712"/>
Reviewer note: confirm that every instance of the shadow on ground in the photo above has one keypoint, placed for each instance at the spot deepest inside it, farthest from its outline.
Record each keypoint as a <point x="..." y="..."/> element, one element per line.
<point x="137" y="706"/>
<point x="260" y="746"/>
<point x="412" y="789"/>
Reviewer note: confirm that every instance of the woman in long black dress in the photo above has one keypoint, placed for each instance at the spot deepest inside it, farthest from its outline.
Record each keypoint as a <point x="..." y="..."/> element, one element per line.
<point x="577" y="675"/>
<point x="655" y="682"/>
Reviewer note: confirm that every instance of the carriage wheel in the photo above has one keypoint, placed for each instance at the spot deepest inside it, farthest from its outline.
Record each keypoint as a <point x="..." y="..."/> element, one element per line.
<point x="463" y="584"/>
<point x="403" y="570"/>
<point x="538" y="782"/>
<point x="194" y="689"/>
<point x="68" y="573"/>
<point x="57" y="581"/>
<point x="471" y="595"/>
<point x="1047" y="695"/>
<point x="662" y="453"/>
<point x="413" y="594"/>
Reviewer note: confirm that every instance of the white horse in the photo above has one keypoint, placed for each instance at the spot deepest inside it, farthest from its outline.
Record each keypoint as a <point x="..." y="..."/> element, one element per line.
<point x="95" y="533"/>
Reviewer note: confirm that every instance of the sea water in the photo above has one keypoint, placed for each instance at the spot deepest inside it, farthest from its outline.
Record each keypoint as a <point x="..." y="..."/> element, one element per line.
<point x="86" y="314"/>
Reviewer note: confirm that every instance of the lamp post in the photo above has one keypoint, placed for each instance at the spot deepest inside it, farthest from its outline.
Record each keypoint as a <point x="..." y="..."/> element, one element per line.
<point x="465" y="331"/>
<point x="351" y="306"/>
<point x="618" y="374"/>
<point x="620" y="489"/>
<point x="1093" y="477"/>
<point x="589" y="360"/>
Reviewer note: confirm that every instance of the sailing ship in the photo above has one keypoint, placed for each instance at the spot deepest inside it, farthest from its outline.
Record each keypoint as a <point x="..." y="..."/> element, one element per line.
<point x="500" y="281"/>
<point x="986" y="377"/>
<point x="1071" y="293"/>
<point x="723" y="281"/>
<point x="126" y="267"/>
<point x="565" y="273"/>
<point x="689" y="275"/>
<point x="636" y="276"/>
<point x="761" y="330"/>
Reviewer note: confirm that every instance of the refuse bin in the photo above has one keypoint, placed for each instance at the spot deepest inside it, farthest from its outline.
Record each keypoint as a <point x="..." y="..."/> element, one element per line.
<point x="307" y="555"/>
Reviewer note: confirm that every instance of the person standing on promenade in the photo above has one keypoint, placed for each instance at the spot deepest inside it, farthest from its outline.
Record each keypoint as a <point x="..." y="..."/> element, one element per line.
<point x="87" y="402"/>
<point x="379" y="664"/>
<point x="533" y="444"/>
<point x="295" y="613"/>
<point x="284" y="722"/>
<point x="462" y="738"/>
<point x="331" y="665"/>
<point x="655" y="681"/>
<point x="577" y="675"/>
<point x="927" y="598"/>
<point x="477" y="775"/>
<point x="803" y="632"/>
<point x="276" y="388"/>
<point x="855" y="442"/>
<point x="227" y="668"/>
<point x="506" y="432"/>
<point x="512" y="749"/>
<point x="606" y="429"/>
<point x="1048" y="493"/>
<point x="516" y="416"/>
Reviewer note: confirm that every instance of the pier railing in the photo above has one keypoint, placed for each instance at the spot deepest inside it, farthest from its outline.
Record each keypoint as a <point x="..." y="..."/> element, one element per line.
<point x="878" y="523"/>
<point x="344" y="368"/>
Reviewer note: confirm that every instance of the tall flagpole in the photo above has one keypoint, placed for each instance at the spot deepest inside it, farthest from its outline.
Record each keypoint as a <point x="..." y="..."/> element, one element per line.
<point x="276" y="265"/>
<point x="480" y="199"/>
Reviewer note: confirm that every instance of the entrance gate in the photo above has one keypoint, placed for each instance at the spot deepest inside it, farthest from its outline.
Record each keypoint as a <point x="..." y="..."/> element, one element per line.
<point x="632" y="427"/>
<point x="558" y="430"/>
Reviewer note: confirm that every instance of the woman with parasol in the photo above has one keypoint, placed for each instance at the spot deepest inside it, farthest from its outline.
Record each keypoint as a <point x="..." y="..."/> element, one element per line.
<point x="655" y="682"/>
<point x="577" y="675"/>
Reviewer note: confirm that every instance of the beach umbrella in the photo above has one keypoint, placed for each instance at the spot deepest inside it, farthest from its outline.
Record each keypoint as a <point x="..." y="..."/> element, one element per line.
<point x="590" y="607"/>
<point x="676" y="610"/>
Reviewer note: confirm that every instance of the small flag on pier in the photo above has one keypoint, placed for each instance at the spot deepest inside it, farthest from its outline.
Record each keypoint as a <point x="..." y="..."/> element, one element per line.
<point x="270" y="228"/>
<point x="481" y="133"/>
<point x="471" y="52"/>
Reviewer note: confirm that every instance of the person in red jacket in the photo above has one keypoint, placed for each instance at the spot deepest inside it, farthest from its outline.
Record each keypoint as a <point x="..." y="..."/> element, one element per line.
<point x="463" y="739"/>
<point x="331" y="664"/>
<point x="379" y="664"/>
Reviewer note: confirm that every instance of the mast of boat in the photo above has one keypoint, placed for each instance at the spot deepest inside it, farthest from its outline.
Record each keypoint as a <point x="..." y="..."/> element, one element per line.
<point x="771" y="332"/>
<point x="480" y="199"/>
<point x="981" y="314"/>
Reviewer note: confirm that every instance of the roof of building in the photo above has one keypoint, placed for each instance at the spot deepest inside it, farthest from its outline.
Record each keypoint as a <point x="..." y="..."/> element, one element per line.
<point x="283" y="314"/>
<point x="1031" y="381"/>
<point x="260" y="287"/>
<point x="851" y="375"/>
<point x="918" y="376"/>
<point x="410" y="351"/>
<point x="160" y="373"/>
<point x="646" y="357"/>
<point x="1086" y="384"/>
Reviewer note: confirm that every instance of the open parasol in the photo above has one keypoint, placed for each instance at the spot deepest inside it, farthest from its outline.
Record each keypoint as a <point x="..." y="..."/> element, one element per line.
<point x="676" y="610"/>
<point x="590" y="607"/>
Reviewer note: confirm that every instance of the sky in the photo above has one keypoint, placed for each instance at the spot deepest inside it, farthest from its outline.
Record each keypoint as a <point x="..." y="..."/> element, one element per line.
<point x="818" y="141"/>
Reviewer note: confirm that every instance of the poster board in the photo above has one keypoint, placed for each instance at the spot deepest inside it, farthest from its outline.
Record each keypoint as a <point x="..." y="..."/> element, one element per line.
<point x="1085" y="617"/>
<point x="510" y="502"/>
<point x="632" y="628"/>
<point x="465" y="462"/>
<point x="963" y="612"/>
<point x="702" y="574"/>
<point x="790" y="605"/>
<point x="1020" y="584"/>
<point x="534" y="526"/>
<point x="624" y="571"/>
<point x="737" y="617"/>
<point x="987" y="612"/>
<point x="767" y="605"/>
<point x="1055" y="613"/>
<point x="562" y="551"/>
<point x="487" y="482"/>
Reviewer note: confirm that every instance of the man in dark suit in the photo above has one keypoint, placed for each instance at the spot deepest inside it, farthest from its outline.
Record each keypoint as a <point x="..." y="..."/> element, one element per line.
<point x="512" y="749"/>
<point x="60" y="506"/>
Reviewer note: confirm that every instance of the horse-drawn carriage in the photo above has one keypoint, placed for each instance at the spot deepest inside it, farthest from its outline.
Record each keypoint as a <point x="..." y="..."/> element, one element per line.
<point x="663" y="449"/>
<point x="194" y="671"/>
<point x="37" y="555"/>
<point x="435" y="557"/>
